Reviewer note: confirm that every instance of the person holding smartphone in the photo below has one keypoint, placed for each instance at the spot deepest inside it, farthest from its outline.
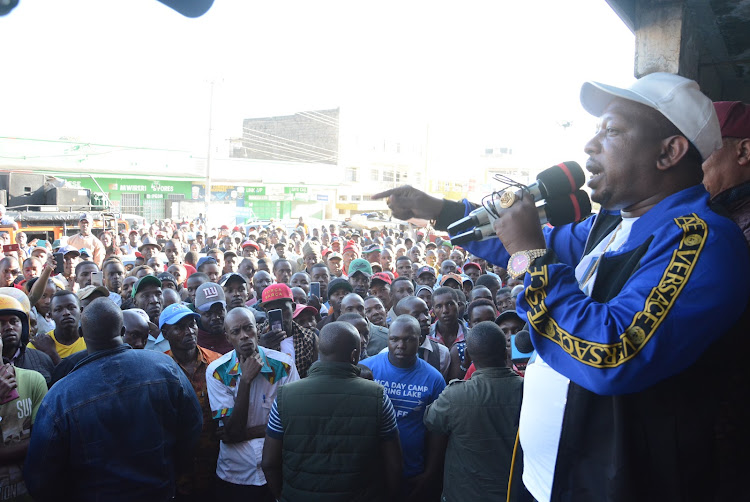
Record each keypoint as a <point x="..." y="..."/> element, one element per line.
<point x="280" y="332"/>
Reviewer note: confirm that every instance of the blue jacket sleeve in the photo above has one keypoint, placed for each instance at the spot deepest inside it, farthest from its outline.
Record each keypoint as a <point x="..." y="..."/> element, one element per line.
<point x="665" y="316"/>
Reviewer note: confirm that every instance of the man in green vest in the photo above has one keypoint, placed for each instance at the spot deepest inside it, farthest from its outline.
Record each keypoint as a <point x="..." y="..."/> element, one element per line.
<point x="333" y="446"/>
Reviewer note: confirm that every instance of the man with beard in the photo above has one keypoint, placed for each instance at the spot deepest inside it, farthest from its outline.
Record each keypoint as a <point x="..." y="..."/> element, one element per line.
<point x="242" y="385"/>
<point x="178" y="325"/>
<point x="210" y="303"/>
<point x="235" y="290"/>
<point x="114" y="274"/>
<point x="65" y="339"/>
<point x="434" y="353"/>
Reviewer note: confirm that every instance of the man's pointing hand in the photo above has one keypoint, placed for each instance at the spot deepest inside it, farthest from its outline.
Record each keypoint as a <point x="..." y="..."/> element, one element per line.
<point x="406" y="202"/>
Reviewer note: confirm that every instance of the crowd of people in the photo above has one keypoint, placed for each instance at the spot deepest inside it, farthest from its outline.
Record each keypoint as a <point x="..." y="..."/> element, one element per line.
<point x="327" y="363"/>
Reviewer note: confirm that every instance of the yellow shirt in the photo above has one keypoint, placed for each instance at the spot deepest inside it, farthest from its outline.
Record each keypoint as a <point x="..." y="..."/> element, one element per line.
<point x="64" y="350"/>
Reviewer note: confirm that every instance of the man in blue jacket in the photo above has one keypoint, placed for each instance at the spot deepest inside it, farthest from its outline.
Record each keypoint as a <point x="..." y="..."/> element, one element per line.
<point x="623" y="401"/>
<point x="121" y="426"/>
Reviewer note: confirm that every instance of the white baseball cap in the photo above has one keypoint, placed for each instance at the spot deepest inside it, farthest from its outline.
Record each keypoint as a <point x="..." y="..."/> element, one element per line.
<point x="679" y="99"/>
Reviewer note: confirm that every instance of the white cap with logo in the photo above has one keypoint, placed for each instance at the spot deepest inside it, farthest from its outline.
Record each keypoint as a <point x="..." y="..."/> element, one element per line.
<point x="679" y="99"/>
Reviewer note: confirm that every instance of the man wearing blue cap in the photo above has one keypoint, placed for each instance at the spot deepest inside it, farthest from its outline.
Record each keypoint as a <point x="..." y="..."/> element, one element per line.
<point x="178" y="325"/>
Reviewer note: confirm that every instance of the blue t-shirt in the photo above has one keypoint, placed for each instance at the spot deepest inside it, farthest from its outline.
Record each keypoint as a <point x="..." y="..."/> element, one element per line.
<point x="411" y="390"/>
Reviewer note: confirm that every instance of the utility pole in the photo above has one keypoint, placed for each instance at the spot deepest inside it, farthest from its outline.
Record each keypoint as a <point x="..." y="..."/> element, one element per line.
<point x="208" y="154"/>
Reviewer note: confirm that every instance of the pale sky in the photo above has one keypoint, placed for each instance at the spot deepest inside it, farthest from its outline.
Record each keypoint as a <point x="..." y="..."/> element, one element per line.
<point x="481" y="73"/>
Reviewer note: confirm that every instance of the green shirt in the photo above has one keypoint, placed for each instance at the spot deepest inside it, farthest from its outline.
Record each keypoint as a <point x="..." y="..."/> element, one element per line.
<point x="16" y="419"/>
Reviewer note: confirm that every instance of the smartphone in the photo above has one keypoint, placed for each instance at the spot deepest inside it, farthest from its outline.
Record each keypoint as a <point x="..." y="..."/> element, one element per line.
<point x="60" y="259"/>
<point x="97" y="279"/>
<point x="275" y="320"/>
<point x="9" y="248"/>
<point x="315" y="289"/>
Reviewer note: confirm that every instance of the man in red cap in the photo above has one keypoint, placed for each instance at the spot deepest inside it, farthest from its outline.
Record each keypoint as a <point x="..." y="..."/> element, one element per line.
<point x="250" y="249"/>
<point x="726" y="173"/>
<point x="300" y="343"/>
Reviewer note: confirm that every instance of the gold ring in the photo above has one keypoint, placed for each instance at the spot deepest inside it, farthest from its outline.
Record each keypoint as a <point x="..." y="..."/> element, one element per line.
<point x="507" y="199"/>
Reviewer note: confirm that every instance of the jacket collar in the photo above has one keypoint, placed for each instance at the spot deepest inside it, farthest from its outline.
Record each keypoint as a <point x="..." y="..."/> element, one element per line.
<point x="101" y="353"/>
<point x="333" y="368"/>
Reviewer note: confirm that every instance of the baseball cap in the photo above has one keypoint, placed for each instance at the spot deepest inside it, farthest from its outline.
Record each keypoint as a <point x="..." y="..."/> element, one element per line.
<point x="85" y="216"/>
<point x="172" y="314"/>
<point x="679" y="99"/>
<point x="339" y="283"/>
<point x="276" y="292"/>
<point x="69" y="249"/>
<point x="229" y="252"/>
<point x="420" y="288"/>
<point x="734" y="119"/>
<point x="166" y="276"/>
<point x="360" y="265"/>
<point x="455" y="277"/>
<point x="302" y="308"/>
<point x="334" y="255"/>
<point x="84" y="252"/>
<point x="206" y="259"/>
<point x="41" y="244"/>
<point x="508" y="314"/>
<point x="472" y="264"/>
<point x="351" y="247"/>
<point x="87" y="291"/>
<point x="381" y="276"/>
<point x="144" y="281"/>
<point x="207" y="295"/>
<point x="232" y="275"/>
<point x="250" y="244"/>
<point x="372" y="248"/>
<point x="426" y="270"/>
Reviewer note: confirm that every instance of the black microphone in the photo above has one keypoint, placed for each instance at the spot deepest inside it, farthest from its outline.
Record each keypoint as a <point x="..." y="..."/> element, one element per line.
<point x="523" y="342"/>
<point x="558" y="211"/>
<point x="562" y="179"/>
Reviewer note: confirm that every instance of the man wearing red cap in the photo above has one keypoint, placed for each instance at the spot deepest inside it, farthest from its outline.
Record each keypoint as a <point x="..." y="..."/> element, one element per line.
<point x="726" y="173"/>
<point x="300" y="343"/>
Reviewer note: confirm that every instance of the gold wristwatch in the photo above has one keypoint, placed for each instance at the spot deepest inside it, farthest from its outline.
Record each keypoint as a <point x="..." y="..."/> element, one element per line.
<point x="520" y="262"/>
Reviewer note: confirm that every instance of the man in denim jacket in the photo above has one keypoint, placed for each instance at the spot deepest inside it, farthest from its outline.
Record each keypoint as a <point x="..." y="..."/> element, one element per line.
<point x="120" y="426"/>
